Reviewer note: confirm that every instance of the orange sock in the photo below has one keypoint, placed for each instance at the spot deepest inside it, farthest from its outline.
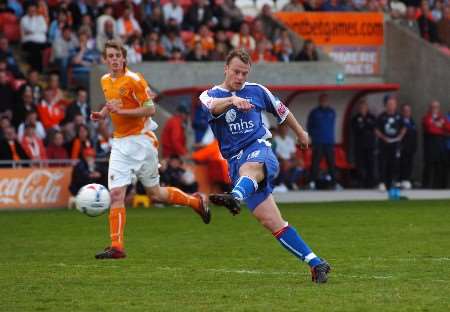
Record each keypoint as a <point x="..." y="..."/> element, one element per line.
<point x="178" y="197"/>
<point x="117" y="219"/>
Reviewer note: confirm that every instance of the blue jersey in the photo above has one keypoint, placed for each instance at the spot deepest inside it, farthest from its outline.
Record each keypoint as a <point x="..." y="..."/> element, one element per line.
<point x="235" y="129"/>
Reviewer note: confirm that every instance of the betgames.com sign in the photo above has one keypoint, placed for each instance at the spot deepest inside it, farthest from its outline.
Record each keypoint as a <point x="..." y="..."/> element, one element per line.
<point x="34" y="188"/>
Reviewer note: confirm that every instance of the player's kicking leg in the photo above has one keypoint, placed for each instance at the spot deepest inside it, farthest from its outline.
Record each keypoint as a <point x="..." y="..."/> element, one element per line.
<point x="268" y="214"/>
<point x="117" y="219"/>
<point x="172" y="195"/>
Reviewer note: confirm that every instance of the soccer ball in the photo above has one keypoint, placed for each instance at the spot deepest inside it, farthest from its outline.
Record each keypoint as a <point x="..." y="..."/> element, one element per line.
<point x="93" y="199"/>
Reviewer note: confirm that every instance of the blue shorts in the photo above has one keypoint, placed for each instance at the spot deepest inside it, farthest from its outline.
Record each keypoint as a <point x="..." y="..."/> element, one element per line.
<point x="260" y="152"/>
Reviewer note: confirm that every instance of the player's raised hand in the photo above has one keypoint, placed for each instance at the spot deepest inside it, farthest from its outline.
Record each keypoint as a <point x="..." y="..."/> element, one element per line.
<point x="242" y="104"/>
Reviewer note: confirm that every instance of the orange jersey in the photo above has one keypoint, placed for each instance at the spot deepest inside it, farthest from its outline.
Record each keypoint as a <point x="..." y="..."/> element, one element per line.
<point x="131" y="90"/>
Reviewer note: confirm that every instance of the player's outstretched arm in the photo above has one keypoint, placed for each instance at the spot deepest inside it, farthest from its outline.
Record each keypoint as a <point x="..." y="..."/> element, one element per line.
<point x="302" y="135"/>
<point x="146" y="110"/>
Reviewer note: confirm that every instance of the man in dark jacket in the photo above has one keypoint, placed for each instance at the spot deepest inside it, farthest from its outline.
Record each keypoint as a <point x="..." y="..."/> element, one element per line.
<point x="86" y="172"/>
<point x="363" y="127"/>
<point x="321" y="124"/>
<point x="409" y="147"/>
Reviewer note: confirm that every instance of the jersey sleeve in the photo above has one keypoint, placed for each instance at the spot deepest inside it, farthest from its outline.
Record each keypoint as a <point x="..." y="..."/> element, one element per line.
<point x="141" y="90"/>
<point x="206" y="98"/>
<point x="274" y="106"/>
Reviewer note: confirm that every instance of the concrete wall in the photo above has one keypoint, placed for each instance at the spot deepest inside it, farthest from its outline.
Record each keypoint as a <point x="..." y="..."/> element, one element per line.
<point x="422" y="71"/>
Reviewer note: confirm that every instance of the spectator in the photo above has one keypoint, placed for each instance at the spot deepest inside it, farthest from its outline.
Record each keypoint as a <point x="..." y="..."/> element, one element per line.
<point x="42" y="10"/>
<point x="56" y="150"/>
<point x="86" y="171"/>
<point x="33" y="28"/>
<point x="79" y="107"/>
<point x="10" y="148"/>
<point x="390" y="131"/>
<point x="263" y="52"/>
<point x="308" y="52"/>
<point x="291" y="168"/>
<point x="333" y="6"/>
<point x="57" y="25"/>
<point x="83" y="58"/>
<point x="410" y="21"/>
<point x="7" y="96"/>
<point x="107" y="15"/>
<point x="177" y="175"/>
<point x="397" y="9"/>
<point x="33" y="85"/>
<point x="78" y="8"/>
<point x="321" y="125"/>
<point x="284" y="48"/>
<point x="5" y="122"/>
<point x="81" y="142"/>
<point x="197" y="54"/>
<point x="435" y="129"/>
<point x="6" y="54"/>
<point x="271" y="26"/>
<point x="51" y="114"/>
<point x="61" y="49"/>
<point x="231" y="16"/>
<point x="88" y="26"/>
<point x="107" y="32"/>
<point x="427" y="26"/>
<point x="146" y="8"/>
<point x="24" y="106"/>
<point x="155" y="23"/>
<point x="438" y="10"/>
<point x="199" y="13"/>
<point x="57" y="94"/>
<point x="243" y="39"/>
<point x="134" y="50"/>
<point x="177" y="56"/>
<point x="205" y="38"/>
<point x="409" y="147"/>
<point x="172" y="10"/>
<point x="173" y="139"/>
<point x="257" y="31"/>
<point x="363" y="129"/>
<point x="172" y="40"/>
<point x="31" y="119"/>
<point x="32" y="144"/>
<point x="443" y="27"/>
<point x="293" y="6"/>
<point x="153" y="49"/>
<point x="104" y="140"/>
<point x="127" y="25"/>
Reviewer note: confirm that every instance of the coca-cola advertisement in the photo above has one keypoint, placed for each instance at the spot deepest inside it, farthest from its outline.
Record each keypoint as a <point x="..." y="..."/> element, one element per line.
<point x="34" y="188"/>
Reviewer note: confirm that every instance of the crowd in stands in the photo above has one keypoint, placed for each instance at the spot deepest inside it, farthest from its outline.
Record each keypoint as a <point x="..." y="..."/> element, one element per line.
<point x="47" y="49"/>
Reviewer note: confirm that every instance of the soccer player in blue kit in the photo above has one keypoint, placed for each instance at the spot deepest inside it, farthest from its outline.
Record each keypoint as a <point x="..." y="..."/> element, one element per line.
<point x="235" y="108"/>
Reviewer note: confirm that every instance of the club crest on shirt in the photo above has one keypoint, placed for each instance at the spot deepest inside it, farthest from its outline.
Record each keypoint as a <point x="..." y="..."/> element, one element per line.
<point x="230" y="116"/>
<point x="122" y="91"/>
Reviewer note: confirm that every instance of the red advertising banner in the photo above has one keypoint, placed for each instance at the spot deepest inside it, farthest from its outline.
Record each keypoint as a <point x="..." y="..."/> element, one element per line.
<point x="25" y="188"/>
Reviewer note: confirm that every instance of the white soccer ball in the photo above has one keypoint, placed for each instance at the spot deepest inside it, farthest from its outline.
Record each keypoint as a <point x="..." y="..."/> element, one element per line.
<point x="93" y="200"/>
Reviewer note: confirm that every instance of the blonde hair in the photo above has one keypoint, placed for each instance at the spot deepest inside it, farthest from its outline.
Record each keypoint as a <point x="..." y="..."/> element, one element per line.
<point x="115" y="44"/>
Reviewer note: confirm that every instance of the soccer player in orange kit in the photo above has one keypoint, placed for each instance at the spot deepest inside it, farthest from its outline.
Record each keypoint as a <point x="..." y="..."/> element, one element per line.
<point x="134" y="148"/>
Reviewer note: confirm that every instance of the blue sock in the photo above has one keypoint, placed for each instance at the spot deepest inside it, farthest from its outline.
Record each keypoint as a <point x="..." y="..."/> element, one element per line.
<point x="244" y="187"/>
<point x="289" y="238"/>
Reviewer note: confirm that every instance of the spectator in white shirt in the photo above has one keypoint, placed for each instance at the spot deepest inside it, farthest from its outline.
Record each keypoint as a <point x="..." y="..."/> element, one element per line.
<point x="127" y="25"/>
<point x="33" y="30"/>
<point x="31" y="119"/>
<point x="173" y="10"/>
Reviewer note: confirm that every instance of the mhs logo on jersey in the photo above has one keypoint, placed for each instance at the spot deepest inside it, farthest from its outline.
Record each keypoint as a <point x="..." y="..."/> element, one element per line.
<point x="238" y="126"/>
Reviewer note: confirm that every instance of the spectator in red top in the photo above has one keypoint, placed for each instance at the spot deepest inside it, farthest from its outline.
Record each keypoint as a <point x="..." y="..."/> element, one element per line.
<point x="56" y="150"/>
<point x="173" y="139"/>
<point x="81" y="142"/>
<point x="50" y="114"/>
<point x="435" y="129"/>
<point x="32" y="144"/>
<point x="263" y="52"/>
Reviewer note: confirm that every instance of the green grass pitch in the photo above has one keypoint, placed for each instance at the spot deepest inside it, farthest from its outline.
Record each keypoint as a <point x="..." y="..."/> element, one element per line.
<point x="386" y="256"/>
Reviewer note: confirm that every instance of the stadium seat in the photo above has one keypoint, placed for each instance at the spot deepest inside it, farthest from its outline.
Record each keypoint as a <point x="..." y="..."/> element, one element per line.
<point x="141" y="201"/>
